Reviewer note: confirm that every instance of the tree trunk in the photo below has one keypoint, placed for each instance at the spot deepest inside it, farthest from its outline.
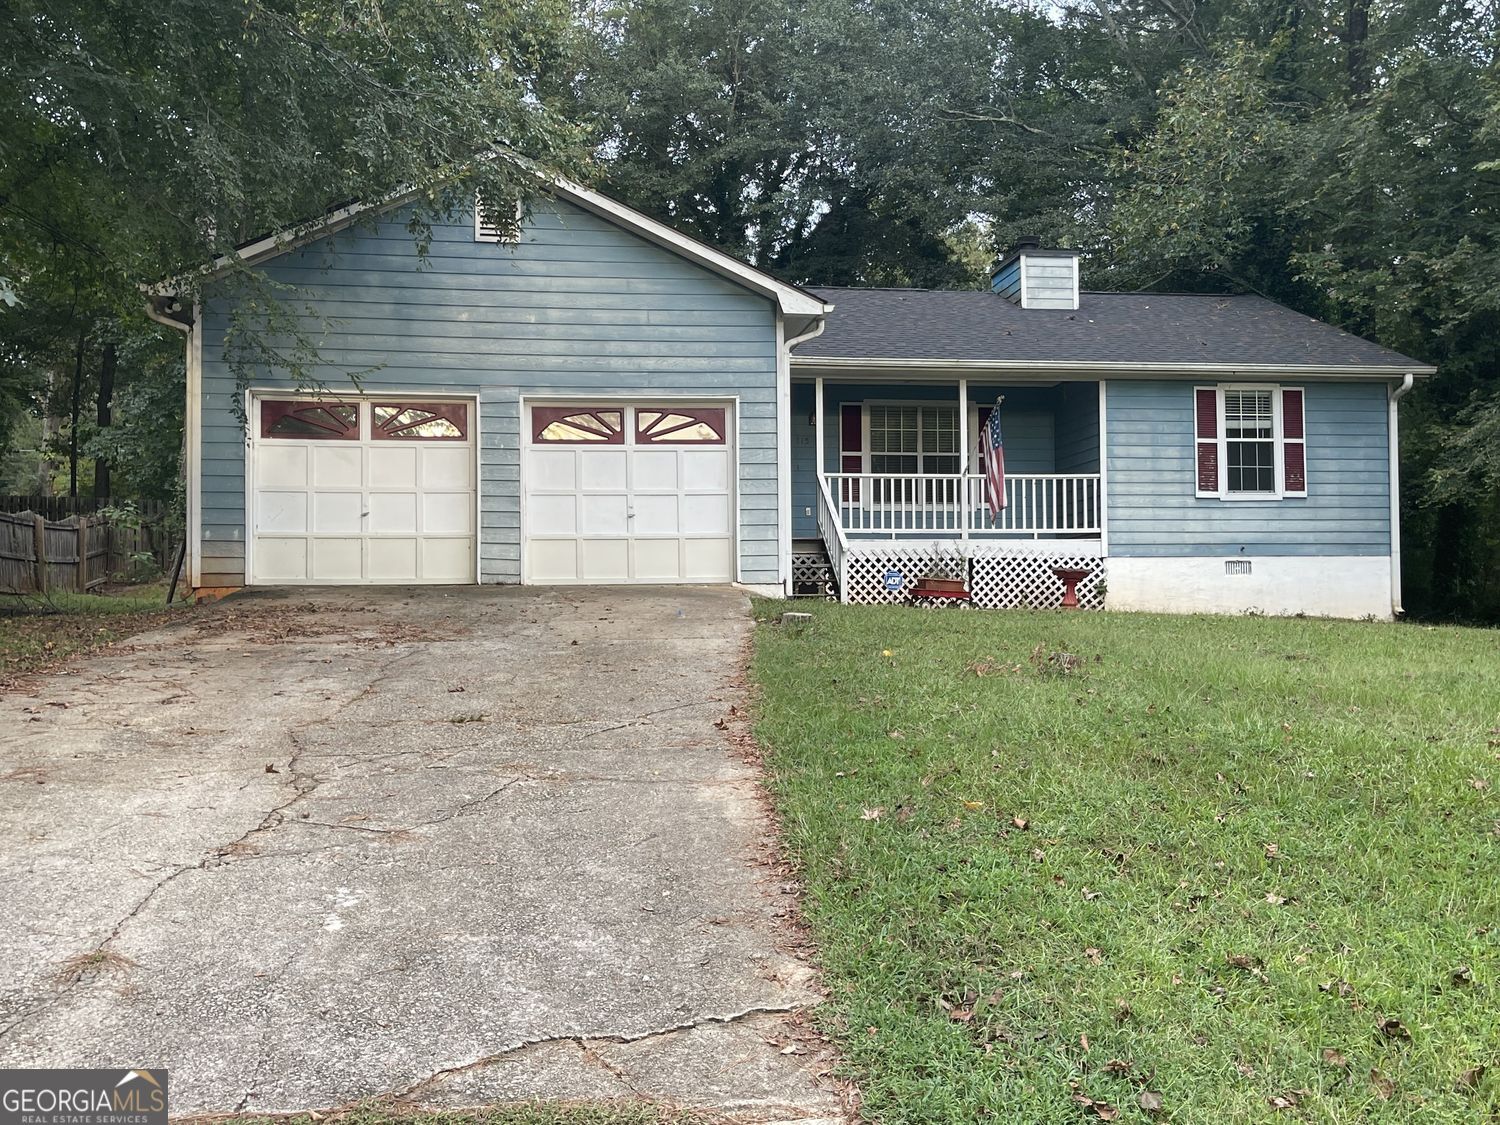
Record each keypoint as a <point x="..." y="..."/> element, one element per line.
<point x="104" y="401"/>
<point x="1356" y="32"/>
<point x="75" y="415"/>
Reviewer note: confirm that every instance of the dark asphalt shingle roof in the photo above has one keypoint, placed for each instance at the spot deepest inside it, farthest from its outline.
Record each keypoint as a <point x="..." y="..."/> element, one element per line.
<point x="1131" y="328"/>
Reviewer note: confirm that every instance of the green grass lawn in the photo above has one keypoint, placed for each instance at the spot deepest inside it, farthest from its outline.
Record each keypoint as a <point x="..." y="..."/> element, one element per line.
<point x="1248" y="866"/>
<point x="39" y="632"/>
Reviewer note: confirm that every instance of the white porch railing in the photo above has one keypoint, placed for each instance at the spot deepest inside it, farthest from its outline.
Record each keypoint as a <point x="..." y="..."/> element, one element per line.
<point x="1038" y="505"/>
<point x="835" y="542"/>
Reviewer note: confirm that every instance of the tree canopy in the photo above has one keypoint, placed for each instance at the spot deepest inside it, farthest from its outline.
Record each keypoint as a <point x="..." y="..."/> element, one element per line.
<point x="1340" y="156"/>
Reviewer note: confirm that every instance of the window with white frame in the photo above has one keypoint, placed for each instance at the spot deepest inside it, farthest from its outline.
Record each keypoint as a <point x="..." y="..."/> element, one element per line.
<point x="1251" y="441"/>
<point x="913" y="439"/>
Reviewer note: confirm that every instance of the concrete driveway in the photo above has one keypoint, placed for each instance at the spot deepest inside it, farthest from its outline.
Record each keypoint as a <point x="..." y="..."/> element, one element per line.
<point x="446" y="847"/>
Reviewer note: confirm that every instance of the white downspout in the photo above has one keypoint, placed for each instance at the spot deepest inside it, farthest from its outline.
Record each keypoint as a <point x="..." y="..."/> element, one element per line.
<point x="1396" y="394"/>
<point x="784" y="443"/>
<point x="189" y="434"/>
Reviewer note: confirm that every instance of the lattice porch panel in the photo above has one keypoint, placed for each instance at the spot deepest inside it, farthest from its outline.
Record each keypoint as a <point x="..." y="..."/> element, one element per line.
<point x="812" y="576"/>
<point x="1018" y="578"/>
<point x="870" y="565"/>
<point x="997" y="579"/>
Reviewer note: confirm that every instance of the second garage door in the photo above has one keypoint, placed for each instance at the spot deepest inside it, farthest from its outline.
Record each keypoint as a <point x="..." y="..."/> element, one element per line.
<point x="640" y="492"/>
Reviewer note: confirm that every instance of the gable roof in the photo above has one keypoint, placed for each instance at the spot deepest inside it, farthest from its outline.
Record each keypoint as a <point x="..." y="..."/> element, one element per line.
<point x="792" y="300"/>
<point x="1108" y="331"/>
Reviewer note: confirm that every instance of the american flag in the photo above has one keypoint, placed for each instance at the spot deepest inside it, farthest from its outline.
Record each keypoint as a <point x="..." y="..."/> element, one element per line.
<point x="992" y="454"/>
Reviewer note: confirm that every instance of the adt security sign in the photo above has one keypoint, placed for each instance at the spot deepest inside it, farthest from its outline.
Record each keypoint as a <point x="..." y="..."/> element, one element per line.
<point x="894" y="580"/>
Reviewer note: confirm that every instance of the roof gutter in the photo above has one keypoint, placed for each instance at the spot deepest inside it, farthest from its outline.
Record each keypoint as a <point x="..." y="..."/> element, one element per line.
<point x="1397" y="393"/>
<point x="894" y="366"/>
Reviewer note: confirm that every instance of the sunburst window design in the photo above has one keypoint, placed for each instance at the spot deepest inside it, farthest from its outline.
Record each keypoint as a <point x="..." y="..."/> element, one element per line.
<point x="679" y="425"/>
<point x="428" y="421"/>
<point x="319" y="421"/>
<point x="575" y="425"/>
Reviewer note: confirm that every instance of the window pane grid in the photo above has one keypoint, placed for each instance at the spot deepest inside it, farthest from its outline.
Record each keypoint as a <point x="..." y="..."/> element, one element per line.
<point x="1249" y="441"/>
<point x="914" y="439"/>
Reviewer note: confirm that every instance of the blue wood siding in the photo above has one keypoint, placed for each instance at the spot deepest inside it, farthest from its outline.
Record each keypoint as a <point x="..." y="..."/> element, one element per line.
<point x="1078" y="428"/>
<point x="1027" y="422"/>
<point x="1152" y="509"/>
<point x="577" y="306"/>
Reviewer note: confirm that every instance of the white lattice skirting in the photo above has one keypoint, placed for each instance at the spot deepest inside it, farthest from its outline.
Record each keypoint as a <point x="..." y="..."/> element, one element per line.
<point x="998" y="579"/>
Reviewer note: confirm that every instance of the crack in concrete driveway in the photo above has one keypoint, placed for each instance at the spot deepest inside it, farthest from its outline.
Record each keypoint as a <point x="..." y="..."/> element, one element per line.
<point x="501" y="852"/>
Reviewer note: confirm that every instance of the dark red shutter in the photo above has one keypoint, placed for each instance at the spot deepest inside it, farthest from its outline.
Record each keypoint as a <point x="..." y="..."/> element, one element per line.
<point x="1294" y="443"/>
<point x="851" y="446"/>
<point x="1206" y="432"/>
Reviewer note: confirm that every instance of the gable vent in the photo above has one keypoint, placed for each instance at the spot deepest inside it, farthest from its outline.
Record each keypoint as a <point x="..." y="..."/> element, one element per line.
<point x="1035" y="277"/>
<point x="496" y="224"/>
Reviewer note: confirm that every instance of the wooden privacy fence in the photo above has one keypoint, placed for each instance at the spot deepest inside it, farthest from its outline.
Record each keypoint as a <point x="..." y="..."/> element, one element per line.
<point x="39" y="556"/>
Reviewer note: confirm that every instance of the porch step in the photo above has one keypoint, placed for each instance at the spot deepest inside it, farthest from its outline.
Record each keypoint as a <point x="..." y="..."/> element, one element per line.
<point x="812" y="573"/>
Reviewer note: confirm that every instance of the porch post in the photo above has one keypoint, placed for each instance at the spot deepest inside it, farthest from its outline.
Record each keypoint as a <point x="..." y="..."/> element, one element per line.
<point x="963" y="459"/>
<point x="818" y="429"/>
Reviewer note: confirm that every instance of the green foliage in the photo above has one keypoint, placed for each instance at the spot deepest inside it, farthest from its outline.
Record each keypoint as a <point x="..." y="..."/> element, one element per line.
<point x="141" y="140"/>
<point x="1209" y="865"/>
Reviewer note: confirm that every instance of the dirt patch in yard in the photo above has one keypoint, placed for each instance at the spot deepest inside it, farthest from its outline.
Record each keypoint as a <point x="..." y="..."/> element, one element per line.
<point x="37" y="639"/>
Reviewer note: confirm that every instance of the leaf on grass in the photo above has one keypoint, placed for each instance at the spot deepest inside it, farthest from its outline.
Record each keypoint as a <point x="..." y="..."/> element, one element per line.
<point x="1469" y="1079"/>
<point x="1273" y="851"/>
<point x="1249" y="964"/>
<point x="1289" y="1100"/>
<point x="1150" y="1101"/>
<point x="1392" y="1028"/>
<point x="1462" y="975"/>
<point x="1479" y="783"/>
<point x="1335" y="1059"/>
<point x="1083" y="1041"/>
<point x="1385" y="1089"/>
<point x="1102" y="1110"/>
<point x="896" y="734"/>
<point x="871" y="814"/>
<point x="1275" y="899"/>
<point x="1038" y="855"/>
<point x="1020" y="823"/>
<point x="973" y="806"/>
<point x="1094" y="954"/>
<point x="1118" y="1068"/>
<point x="1090" y="896"/>
<point x="1341" y="987"/>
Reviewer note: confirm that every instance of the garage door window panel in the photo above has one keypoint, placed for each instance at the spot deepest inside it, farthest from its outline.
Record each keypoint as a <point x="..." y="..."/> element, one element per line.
<point x="679" y="426"/>
<point x="572" y="425"/>
<point x="433" y="421"/>
<point x="309" y="421"/>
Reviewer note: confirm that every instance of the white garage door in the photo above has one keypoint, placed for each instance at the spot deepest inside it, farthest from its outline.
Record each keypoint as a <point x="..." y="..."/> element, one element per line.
<point x="629" y="493"/>
<point x="362" y="490"/>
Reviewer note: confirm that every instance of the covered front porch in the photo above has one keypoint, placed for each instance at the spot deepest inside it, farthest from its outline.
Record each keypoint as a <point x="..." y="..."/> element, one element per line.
<point x="888" y="485"/>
